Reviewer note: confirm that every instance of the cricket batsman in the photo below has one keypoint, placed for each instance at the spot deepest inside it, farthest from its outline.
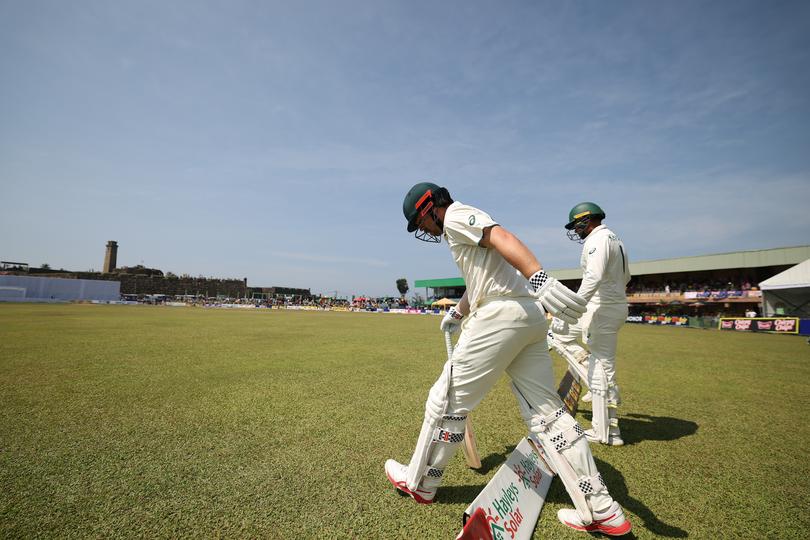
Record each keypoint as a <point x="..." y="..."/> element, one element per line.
<point x="502" y="318"/>
<point x="605" y="274"/>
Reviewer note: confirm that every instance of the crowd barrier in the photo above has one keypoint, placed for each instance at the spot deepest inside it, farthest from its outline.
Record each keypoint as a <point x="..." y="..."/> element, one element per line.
<point x="721" y="294"/>
<point x="775" y="325"/>
<point x="660" y="319"/>
<point x="778" y="325"/>
<point x="407" y="311"/>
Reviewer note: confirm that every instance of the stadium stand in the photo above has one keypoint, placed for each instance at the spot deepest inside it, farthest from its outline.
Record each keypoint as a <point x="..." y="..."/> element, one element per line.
<point x="723" y="284"/>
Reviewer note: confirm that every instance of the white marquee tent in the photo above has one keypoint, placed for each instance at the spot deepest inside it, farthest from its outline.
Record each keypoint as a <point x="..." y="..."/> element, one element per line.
<point x="788" y="293"/>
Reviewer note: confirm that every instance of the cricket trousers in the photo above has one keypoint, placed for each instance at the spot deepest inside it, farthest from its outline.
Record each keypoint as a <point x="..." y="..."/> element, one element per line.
<point x="508" y="335"/>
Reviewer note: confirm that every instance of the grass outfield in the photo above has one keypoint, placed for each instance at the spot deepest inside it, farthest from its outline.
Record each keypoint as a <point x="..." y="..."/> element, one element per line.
<point x="150" y="421"/>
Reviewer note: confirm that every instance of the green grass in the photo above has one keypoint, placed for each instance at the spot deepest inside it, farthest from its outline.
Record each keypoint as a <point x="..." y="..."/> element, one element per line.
<point x="155" y="422"/>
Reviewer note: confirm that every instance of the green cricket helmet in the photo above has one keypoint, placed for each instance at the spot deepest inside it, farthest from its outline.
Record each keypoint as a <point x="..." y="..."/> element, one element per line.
<point x="418" y="202"/>
<point x="580" y="216"/>
<point x="421" y="199"/>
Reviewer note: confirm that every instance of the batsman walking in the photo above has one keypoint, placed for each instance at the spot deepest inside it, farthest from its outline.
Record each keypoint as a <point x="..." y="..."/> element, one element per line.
<point x="503" y="329"/>
<point x="605" y="274"/>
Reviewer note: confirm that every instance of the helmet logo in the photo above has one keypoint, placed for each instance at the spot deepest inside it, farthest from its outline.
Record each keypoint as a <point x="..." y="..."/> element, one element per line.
<point x="472" y="220"/>
<point x="581" y="214"/>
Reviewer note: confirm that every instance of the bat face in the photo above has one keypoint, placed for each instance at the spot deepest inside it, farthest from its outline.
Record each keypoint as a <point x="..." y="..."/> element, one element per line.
<point x="470" y="448"/>
<point x="569" y="391"/>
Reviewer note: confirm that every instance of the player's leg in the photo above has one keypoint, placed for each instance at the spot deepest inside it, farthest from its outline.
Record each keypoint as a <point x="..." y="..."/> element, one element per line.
<point x="484" y="350"/>
<point x="441" y="432"/>
<point x="569" y="346"/>
<point x="602" y="340"/>
<point x="563" y="443"/>
<point x="573" y="339"/>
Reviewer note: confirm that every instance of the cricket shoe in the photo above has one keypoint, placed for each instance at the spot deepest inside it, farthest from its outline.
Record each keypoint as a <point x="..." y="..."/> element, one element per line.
<point x="586" y="397"/>
<point x="610" y="522"/>
<point x="614" y="437"/>
<point x="397" y="473"/>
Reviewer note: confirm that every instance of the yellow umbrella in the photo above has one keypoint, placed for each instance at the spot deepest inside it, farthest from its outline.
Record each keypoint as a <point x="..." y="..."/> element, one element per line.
<point x="444" y="303"/>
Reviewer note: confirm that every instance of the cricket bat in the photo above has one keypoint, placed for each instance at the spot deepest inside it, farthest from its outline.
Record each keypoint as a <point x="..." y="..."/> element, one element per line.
<point x="470" y="448"/>
<point x="510" y="504"/>
<point x="569" y="391"/>
<point x="571" y="384"/>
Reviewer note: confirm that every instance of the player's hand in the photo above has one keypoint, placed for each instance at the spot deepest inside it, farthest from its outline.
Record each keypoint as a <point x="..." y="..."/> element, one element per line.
<point x="559" y="326"/>
<point x="556" y="298"/>
<point x="451" y="322"/>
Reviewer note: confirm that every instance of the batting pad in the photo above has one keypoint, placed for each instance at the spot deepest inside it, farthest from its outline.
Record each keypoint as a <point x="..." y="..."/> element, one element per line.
<point x="598" y="382"/>
<point x="554" y="438"/>
<point x="570" y="356"/>
<point x="441" y="433"/>
<point x="446" y="439"/>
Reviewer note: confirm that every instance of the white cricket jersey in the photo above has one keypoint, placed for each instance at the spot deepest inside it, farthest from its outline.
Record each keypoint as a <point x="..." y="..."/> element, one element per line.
<point x="486" y="273"/>
<point x="605" y="268"/>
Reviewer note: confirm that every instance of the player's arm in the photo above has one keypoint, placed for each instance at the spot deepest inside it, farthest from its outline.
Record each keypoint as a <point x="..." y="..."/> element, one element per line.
<point x="463" y="305"/>
<point x="451" y="322"/>
<point x="556" y="298"/>
<point x="595" y="266"/>
<point x="512" y="249"/>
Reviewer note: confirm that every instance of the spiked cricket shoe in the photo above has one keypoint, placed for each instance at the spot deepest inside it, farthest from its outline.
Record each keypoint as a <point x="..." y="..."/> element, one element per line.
<point x="610" y="522"/>
<point x="397" y="473"/>
<point x="586" y="397"/>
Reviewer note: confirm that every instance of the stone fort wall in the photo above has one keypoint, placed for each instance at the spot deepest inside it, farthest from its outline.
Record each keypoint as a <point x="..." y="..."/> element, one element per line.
<point x="146" y="284"/>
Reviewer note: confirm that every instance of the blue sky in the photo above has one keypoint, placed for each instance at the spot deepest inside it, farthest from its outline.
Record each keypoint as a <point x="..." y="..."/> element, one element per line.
<point x="276" y="140"/>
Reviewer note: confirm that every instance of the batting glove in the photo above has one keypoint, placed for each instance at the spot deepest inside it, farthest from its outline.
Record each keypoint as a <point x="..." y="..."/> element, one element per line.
<point x="556" y="298"/>
<point x="559" y="326"/>
<point x="451" y="322"/>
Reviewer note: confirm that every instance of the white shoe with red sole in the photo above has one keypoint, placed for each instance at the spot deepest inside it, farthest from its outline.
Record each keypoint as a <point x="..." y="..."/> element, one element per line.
<point x="397" y="472"/>
<point x="610" y="522"/>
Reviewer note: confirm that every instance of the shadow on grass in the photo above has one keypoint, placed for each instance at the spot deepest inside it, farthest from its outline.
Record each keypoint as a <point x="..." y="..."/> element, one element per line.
<point x="613" y="478"/>
<point x="466" y="494"/>
<point x="644" y="427"/>
<point x="458" y="494"/>
<point x="618" y="490"/>
<point x="495" y="460"/>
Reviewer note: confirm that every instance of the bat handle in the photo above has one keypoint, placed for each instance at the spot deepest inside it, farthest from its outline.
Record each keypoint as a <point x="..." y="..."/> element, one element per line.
<point x="448" y="342"/>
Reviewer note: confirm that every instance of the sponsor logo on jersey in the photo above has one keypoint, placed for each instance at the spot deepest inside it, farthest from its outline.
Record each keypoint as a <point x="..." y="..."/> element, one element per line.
<point x="472" y="220"/>
<point x="592" y="251"/>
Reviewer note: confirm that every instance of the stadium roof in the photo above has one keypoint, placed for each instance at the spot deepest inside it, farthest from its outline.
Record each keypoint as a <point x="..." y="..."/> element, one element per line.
<point x="719" y="261"/>
<point x="434" y="283"/>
